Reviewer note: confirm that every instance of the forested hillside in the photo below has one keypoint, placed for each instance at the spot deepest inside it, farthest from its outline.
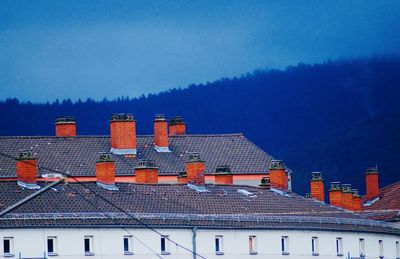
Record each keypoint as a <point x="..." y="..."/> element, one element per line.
<point x="338" y="117"/>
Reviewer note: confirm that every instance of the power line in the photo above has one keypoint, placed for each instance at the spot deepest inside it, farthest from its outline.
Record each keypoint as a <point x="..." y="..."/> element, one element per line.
<point x="108" y="202"/>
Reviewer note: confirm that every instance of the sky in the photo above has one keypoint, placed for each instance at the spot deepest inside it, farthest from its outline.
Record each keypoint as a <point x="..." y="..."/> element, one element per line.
<point x="106" y="49"/>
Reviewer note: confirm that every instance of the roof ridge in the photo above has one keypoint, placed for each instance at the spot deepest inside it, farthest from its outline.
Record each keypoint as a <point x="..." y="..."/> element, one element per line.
<point x="138" y="135"/>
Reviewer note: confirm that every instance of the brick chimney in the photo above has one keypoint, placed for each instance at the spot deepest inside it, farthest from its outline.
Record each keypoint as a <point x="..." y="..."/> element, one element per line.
<point x="335" y="194"/>
<point x="357" y="202"/>
<point x="195" y="169"/>
<point x="223" y="175"/>
<point x="372" y="183"/>
<point x="27" y="169"/>
<point x="177" y="126"/>
<point x="265" y="183"/>
<point x="123" y="134"/>
<point x="182" y="177"/>
<point x="146" y="172"/>
<point x="65" y="126"/>
<point x="347" y="197"/>
<point x="161" y="133"/>
<point x="278" y="175"/>
<point x="317" y="186"/>
<point x="105" y="171"/>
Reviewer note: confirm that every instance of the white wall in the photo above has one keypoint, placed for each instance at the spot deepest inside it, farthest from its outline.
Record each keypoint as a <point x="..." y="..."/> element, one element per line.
<point x="108" y="243"/>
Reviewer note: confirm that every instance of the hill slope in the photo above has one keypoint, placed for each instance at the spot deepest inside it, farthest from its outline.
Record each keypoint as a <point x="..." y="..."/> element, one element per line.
<point x="337" y="117"/>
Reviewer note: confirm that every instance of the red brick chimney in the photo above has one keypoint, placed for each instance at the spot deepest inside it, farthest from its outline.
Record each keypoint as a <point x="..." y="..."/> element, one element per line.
<point x="278" y="175"/>
<point x="357" y="202"/>
<point x="182" y="177"/>
<point x="65" y="127"/>
<point x="223" y="175"/>
<point x="335" y="194"/>
<point x="347" y="197"/>
<point x="265" y="183"/>
<point x="161" y="133"/>
<point x="146" y="172"/>
<point x="105" y="171"/>
<point x="372" y="181"/>
<point x="27" y="169"/>
<point x="123" y="134"/>
<point x="195" y="169"/>
<point x="317" y="186"/>
<point x="177" y="126"/>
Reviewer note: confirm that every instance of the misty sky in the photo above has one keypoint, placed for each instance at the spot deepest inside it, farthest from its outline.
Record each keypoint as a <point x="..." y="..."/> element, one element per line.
<point x="79" y="49"/>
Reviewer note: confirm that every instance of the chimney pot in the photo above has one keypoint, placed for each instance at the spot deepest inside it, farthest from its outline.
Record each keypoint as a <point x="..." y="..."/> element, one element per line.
<point x="177" y="126"/>
<point x="146" y="172"/>
<point x="65" y="126"/>
<point x="161" y="143"/>
<point x="123" y="134"/>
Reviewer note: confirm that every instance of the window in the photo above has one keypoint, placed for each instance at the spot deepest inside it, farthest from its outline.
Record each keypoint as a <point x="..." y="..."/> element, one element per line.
<point x="88" y="243"/>
<point x="339" y="246"/>
<point x="164" y="245"/>
<point x="285" y="245"/>
<point x="252" y="245"/>
<point x="314" y="246"/>
<point x="8" y="246"/>
<point x="219" y="248"/>
<point x="127" y="245"/>
<point x="380" y="248"/>
<point x="362" y="247"/>
<point x="397" y="250"/>
<point x="52" y="246"/>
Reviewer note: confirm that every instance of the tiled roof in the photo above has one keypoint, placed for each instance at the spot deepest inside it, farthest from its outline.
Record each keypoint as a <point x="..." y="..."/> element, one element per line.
<point x="78" y="155"/>
<point x="387" y="207"/>
<point x="169" y="205"/>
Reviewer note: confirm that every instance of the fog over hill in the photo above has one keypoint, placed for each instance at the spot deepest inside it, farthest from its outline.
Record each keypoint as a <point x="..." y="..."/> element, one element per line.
<point x="338" y="117"/>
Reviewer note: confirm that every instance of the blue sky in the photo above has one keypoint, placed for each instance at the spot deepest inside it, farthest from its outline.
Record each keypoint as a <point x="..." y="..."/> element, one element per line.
<point x="80" y="49"/>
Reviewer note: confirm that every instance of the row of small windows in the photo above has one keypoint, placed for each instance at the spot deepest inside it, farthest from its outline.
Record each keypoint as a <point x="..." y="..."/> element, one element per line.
<point x="8" y="246"/>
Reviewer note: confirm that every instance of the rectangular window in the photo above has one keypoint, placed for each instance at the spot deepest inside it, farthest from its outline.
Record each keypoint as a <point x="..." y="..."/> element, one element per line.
<point x="51" y="246"/>
<point x="88" y="243"/>
<point x="285" y="245"/>
<point x="397" y="249"/>
<point x="127" y="245"/>
<point x="362" y="247"/>
<point x="219" y="249"/>
<point x="380" y="248"/>
<point x="8" y="246"/>
<point x="339" y="246"/>
<point x="314" y="246"/>
<point x="252" y="245"/>
<point x="164" y="245"/>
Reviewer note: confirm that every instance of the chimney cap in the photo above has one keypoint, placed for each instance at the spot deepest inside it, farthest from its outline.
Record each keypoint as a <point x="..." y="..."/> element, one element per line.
<point x="276" y="164"/>
<point x="346" y="187"/>
<point x="335" y="186"/>
<point x="146" y="164"/>
<point x="223" y="169"/>
<point x="182" y="174"/>
<point x="177" y="120"/>
<point x="65" y="120"/>
<point x="105" y="157"/>
<point x="25" y="154"/>
<point x="372" y="170"/>
<point x="265" y="183"/>
<point x="160" y="117"/>
<point x="355" y="193"/>
<point x="122" y="117"/>
<point x="194" y="157"/>
<point x="316" y="176"/>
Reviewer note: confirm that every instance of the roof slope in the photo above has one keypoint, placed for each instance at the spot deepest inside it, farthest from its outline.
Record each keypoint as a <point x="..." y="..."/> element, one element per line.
<point x="168" y="205"/>
<point x="78" y="155"/>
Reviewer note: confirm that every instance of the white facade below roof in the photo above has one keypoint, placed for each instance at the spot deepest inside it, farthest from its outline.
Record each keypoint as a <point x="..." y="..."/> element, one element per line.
<point x="110" y="243"/>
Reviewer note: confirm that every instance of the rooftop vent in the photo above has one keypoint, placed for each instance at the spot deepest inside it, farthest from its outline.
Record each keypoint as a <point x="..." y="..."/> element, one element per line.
<point x="105" y="157"/>
<point x="160" y="117"/>
<point x="122" y="117"/>
<point x="265" y="183"/>
<point x="346" y="188"/>
<point x="335" y="186"/>
<point x="25" y="154"/>
<point x="316" y="176"/>
<point x="277" y="164"/>
<point x="194" y="157"/>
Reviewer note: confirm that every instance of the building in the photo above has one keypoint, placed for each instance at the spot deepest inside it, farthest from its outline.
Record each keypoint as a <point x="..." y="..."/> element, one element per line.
<point x="72" y="197"/>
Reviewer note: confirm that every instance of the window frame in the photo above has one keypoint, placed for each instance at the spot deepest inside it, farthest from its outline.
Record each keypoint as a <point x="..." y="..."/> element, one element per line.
<point x="10" y="240"/>
<point x="90" y="252"/>
<point x="339" y="246"/>
<point x="380" y="244"/>
<point x="55" y="248"/>
<point x="127" y="238"/>
<point x="166" y="250"/>
<point x="252" y="245"/>
<point x="285" y="245"/>
<point x="397" y="249"/>
<point x="219" y="249"/>
<point x="315" y="246"/>
<point x="362" y="247"/>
